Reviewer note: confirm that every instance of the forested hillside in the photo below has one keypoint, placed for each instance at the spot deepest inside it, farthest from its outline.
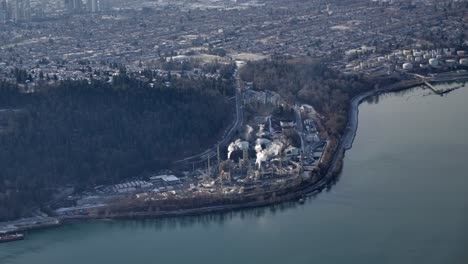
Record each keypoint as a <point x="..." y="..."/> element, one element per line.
<point x="308" y="81"/>
<point x="85" y="134"/>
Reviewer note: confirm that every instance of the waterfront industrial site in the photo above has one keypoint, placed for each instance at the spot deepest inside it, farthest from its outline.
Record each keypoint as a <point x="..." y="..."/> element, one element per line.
<point x="275" y="149"/>
<point x="278" y="146"/>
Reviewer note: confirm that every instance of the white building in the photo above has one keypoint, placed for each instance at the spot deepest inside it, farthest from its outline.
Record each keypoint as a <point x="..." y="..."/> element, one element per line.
<point x="407" y="66"/>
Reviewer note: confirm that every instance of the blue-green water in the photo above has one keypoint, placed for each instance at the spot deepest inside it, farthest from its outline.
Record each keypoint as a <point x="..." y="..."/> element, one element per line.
<point x="402" y="198"/>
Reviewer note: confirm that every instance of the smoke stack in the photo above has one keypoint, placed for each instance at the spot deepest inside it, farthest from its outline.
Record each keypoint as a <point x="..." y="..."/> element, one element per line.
<point x="209" y="168"/>
<point x="281" y="161"/>
<point x="219" y="158"/>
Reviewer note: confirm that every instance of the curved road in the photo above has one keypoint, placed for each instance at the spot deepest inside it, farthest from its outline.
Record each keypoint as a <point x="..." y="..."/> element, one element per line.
<point x="212" y="152"/>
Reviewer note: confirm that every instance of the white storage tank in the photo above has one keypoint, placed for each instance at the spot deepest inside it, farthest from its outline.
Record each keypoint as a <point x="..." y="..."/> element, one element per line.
<point x="407" y="52"/>
<point x="351" y="52"/>
<point x="464" y="61"/>
<point x="451" y="62"/>
<point x="433" y="62"/>
<point x="427" y="56"/>
<point x="407" y="66"/>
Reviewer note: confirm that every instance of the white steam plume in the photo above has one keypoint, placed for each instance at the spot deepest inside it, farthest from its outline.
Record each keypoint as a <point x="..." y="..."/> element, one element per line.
<point x="271" y="149"/>
<point x="238" y="144"/>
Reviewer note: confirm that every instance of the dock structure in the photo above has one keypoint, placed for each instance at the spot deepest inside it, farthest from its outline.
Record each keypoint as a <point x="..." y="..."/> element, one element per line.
<point x="432" y="88"/>
<point x="424" y="79"/>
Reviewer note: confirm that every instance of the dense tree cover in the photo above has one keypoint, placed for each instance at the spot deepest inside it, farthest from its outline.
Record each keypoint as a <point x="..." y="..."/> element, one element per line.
<point x="308" y="81"/>
<point x="82" y="133"/>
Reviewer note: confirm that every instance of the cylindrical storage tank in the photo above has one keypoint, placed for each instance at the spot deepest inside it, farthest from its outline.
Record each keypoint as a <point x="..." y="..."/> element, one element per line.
<point x="417" y="59"/>
<point x="427" y="56"/>
<point x="417" y="54"/>
<point x="423" y="66"/>
<point x="433" y="62"/>
<point x="407" y="52"/>
<point x="407" y="66"/>
<point x="439" y="56"/>
<point x="381" y="59"/>
<point x="409" y="57"/>
<point x="451" y="62"/>
<point x="351" y="52"/>
<point x="464" y="61"/>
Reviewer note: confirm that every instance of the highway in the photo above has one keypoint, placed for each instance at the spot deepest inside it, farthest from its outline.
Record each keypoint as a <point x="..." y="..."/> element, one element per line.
<point x="299" y="126"/>
<point x="228" y="136"/>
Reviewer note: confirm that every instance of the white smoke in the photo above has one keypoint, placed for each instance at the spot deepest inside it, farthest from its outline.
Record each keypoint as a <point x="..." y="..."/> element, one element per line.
<point x="261" y="157"/>
<point x="261" y="130"/>
<point x="231" y="149"/>
<point x="258" y="148"/>
<point x="271" y="149"/>
<point x="248" y="132"/>
<point x="237" y="145"/>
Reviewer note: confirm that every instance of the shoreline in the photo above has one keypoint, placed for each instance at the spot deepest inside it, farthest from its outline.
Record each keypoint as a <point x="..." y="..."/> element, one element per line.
<point x="301" y="191"/>
<point x="334" y="169"/>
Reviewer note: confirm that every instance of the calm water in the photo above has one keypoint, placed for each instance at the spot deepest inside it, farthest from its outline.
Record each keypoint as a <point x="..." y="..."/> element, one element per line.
<point x="402" y="198"/>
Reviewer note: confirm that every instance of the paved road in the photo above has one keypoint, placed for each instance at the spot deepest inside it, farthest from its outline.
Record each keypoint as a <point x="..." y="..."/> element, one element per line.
<point x="299" y="126"/>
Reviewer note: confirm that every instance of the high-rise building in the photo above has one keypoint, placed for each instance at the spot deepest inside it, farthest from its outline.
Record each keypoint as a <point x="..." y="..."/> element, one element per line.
<point x="104" y="5"/>
<point x="67" y="5"/>
<point x="38" y="11"/>
<point x="78" y="5"/>
<point x="73" y="6"/>
<point x="21" y="10"/>
<point x="94" y="6"/>
<point x="27" y="10"/>
<point x="17" y="10"/>
<point x="3" y="11"/>
<point x="89" y="5"/>
<point x="98" y="5"/>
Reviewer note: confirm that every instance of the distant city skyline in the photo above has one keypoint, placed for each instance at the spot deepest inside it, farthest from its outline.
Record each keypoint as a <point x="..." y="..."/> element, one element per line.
<point x="27" y="10"/>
